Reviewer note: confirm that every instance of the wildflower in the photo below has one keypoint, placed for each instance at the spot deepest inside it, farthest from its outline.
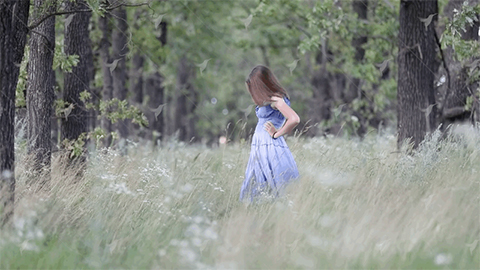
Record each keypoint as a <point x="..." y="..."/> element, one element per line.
<point x="443" y="259"/>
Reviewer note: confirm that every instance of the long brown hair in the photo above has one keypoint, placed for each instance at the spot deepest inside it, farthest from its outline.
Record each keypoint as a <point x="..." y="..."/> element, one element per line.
<point x="262" y="85"/>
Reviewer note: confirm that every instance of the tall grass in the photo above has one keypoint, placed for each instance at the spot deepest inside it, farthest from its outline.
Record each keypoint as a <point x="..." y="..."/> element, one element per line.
<point x="358" y="204"/>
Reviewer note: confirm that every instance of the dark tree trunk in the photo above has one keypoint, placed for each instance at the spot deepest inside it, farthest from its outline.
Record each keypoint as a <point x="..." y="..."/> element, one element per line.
<point x="454" y="109"/>
<point x="136" y="89"/>
<point x="120" y="50"/>
<point x="354" y="87"/>
<point x="40" y="88"/>
<point x="355" y="90"/>
<point x="185" y="102"/>
<point x="416" y="64"/>
<point x="77" y="42"/>
<point x="136" y="70"/>
<point x="92" y="119"/>
<point x="322" y="92"/>
<point x="155" y="95"/>
<point x="136" y="79"/>
<point x="107" y="89"/>
<point x="13" y="34"/>
<point x="163" y="33"/>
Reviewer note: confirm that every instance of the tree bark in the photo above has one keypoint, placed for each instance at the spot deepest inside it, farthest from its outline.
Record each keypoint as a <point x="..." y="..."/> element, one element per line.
<point x="354" y="88"/>
<point x="416" y="62"/>
<point x="136" y="70"/>
<point x="92" y="119"/>
<point x="185" y="102"/>
<point x="322" y="100"/>
<point x="119" y="74"/>
<point x="13" y="35"/>
<point x="77" y="42"/>
<point x="136" y="79"/>
<point x="40" y="89"/>
<point x="107" y="89"/>
<point x="155" y="95"/>
<point x="136" y="90"/>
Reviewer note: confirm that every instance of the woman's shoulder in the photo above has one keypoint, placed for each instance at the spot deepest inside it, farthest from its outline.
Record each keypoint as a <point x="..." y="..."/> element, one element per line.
<point x="276" y="100"/>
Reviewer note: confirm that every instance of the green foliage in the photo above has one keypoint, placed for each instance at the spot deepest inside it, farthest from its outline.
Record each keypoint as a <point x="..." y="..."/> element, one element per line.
<point x="63" y="61"/>
<point x="467" y="51"/>
<point x="332" y="26"/>
<point x="76" y="148"/>
<point x="115" y="110"/>
<point x="237" y="35"/>
<point x="85" y="95"/>
<point x="467" y="16"/>
<point x="60" y="107"/>
<point x="469" y="103"/>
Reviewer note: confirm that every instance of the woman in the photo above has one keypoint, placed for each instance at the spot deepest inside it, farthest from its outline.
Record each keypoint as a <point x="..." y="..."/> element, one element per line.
<point x="271" y="165"/>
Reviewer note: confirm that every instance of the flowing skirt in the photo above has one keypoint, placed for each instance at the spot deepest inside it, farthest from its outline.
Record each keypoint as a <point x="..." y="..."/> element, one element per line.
<point x="270" y="167"/>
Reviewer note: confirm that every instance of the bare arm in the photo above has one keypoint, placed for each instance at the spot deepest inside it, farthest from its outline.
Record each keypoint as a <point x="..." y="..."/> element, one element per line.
<point x="292" y="118"/>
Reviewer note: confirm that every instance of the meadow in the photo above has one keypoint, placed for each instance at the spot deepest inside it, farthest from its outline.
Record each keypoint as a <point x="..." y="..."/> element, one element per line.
<point x="358" y="204"/>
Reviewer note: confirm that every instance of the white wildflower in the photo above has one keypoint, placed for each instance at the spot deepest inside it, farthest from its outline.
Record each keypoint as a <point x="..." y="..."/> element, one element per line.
<point x="119" y="188"/>
<point x="187" y="188"/>
<point x="210" y="234"/>
<point x="326" y="221"/>
<point x="196" y="241"/>
<point x="188" y="254"/>
<point x="443" y="259"/>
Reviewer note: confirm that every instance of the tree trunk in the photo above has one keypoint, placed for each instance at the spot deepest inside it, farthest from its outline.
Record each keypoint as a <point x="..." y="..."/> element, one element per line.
<point x="92" y="119"/>
<point x="136" y="79"/>
<point x="107" y="89"/>
<point x="136" y="89"/>
<point x="416" y="62"/>
<point x="322" y="100"/>
<point x="13" y="35"/>
<point x="40" y="89"/>
<point x="136" y="70"/>
<point x="120" y="50"/>
<point x="161" y="125"/>
<point x="77" y="42"/>
<point x="185" y="102"/>
<point x="354" y="88"/>
<point x="154" y="92"/>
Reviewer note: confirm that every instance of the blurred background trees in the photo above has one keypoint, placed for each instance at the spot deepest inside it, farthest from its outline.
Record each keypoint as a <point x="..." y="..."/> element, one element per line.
<point x="183" y="64"/>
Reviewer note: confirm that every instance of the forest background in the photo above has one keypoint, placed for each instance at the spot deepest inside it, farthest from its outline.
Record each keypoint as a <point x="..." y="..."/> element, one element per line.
<point x="177" y="68"/>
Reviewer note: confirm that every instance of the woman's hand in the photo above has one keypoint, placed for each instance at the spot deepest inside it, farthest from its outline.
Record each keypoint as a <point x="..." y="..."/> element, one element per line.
<point x="270" y="128"/>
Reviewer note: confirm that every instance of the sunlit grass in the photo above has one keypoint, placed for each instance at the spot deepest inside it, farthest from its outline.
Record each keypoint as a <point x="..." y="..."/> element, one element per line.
<point x="358" y="204"/>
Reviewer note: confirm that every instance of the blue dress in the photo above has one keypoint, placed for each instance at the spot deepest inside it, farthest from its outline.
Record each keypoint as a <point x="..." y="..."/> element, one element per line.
<point x="271" y="165"/>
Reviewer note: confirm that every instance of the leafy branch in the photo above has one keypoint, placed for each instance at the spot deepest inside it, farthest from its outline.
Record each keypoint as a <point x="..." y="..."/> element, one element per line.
<point x="36" y="23"/>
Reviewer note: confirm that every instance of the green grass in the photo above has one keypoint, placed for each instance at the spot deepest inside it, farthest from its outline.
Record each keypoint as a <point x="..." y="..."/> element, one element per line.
<point x="358" y="204"/>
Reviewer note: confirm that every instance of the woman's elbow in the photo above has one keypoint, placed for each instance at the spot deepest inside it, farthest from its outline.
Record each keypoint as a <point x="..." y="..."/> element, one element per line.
<point x="296" y="120"/>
